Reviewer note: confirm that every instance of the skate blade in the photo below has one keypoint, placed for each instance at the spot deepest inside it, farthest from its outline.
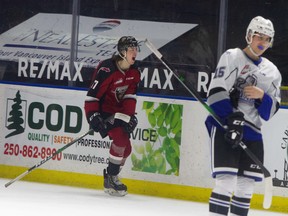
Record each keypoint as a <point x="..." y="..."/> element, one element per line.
<point x="113" y="192"/>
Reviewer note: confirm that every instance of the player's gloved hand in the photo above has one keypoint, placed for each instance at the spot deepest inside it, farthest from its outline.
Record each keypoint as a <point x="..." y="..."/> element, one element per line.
<point x="234" y="132"/>
<point x="131" y="125"/>
<point x="97" y="122"/>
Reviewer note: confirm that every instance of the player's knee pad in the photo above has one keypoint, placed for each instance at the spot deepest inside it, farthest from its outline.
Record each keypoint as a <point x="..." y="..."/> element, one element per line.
<point x="120" y="143"/>
<point x="119" y="136"/>
<point x="225" y="184"/>
<point x="128" y="150"/>
<point x="116" y="150"/>
<point x="245" y="187"/>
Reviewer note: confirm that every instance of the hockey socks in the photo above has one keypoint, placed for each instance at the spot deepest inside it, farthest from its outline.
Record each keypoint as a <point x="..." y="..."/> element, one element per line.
<point x="240" y="206"/>
<point x="219" y="204"/>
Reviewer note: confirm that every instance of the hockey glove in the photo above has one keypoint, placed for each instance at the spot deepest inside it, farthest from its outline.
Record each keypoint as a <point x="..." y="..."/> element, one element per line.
<point x="234" y="132"/>
<point x="131" y="125"/>
<point x="234" y="94"/>
<point x="97" y="123"/>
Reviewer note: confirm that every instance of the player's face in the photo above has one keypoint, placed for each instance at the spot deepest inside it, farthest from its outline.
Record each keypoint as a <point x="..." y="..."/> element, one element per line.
<point x="131" y="55"/>
<point x="260" y="43"/>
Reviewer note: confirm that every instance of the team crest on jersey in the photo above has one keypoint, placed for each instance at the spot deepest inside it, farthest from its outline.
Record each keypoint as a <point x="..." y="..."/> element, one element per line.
<point x="120" y="92"/>
<point x="245" y="70"/>
<point x="105" y="69"/>
<point x="250" y="80"/>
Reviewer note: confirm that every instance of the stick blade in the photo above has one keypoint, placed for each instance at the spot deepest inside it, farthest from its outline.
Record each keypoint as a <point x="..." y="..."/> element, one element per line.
<point x="268" y="194"/>
<point x="17" y="178"/>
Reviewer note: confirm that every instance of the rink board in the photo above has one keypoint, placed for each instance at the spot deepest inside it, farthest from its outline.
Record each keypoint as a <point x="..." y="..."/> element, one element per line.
<point x="53" y="117"/>
<point x="198" y="194"/>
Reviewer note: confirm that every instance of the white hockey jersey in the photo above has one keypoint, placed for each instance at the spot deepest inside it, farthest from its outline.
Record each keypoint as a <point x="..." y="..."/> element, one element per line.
<point x="236" y="69"/>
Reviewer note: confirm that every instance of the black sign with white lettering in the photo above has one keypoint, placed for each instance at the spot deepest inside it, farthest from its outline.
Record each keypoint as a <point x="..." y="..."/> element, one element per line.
<point x="155" y="77"/>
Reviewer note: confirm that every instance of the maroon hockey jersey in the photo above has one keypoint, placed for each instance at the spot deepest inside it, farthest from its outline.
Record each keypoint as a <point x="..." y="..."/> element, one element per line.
<point x="112" y="90"/>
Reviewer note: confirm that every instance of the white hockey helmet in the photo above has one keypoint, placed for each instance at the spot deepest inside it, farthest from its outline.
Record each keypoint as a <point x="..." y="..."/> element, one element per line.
<point x="260" y="25"/>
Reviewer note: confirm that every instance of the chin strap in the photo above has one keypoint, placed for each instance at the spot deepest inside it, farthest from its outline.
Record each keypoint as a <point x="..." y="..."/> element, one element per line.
<point x="123" y="57"/>
<point x="252" y="51"/>
<point x="250" y="48"/>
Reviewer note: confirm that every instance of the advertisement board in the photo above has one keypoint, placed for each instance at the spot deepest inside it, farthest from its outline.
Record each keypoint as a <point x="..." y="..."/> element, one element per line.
<point x="39" y="121"/>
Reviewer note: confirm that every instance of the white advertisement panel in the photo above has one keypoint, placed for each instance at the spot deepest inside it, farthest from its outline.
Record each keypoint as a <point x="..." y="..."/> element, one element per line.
<point x="47" y="37"/>
<point x="275" y="134"/>
<point x="38" y="121"/>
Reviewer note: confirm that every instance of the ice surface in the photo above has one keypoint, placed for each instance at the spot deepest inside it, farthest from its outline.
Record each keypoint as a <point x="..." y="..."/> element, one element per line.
<point x="31" y="199"/>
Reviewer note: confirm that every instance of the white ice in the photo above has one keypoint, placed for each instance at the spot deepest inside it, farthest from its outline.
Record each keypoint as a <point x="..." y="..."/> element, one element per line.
<point x="31" y="199"/>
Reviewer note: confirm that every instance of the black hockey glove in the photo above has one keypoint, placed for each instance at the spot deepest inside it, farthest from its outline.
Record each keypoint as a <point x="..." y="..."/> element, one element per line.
<point x="234" y="132"/>
<point x="97" y="123"/>
<point x="234" y="94"/>
<point x="131" y="125"/>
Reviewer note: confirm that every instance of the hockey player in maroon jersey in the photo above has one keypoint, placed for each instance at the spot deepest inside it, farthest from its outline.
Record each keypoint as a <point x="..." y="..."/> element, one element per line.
<point x="244" y="91"/>
<point x="112" y="95"/>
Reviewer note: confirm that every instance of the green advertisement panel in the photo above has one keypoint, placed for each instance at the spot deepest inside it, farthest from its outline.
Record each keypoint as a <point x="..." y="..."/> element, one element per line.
<point x="160" y="150"/>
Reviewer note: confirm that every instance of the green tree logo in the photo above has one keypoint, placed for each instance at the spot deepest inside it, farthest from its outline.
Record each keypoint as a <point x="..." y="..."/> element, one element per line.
<point x="166" y="119"/>
<point x="15" y="119"/>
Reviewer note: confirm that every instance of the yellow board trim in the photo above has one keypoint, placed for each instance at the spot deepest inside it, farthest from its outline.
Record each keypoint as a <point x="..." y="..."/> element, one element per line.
<point x="284" y="87"/>
<point x="165" y="190"/>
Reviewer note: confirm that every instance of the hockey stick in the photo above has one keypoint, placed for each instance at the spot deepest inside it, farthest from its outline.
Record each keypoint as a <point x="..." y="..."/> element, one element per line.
<point x="120" y="116"/>
<point x="268" y="179"/>
<point x="46" y="159"/>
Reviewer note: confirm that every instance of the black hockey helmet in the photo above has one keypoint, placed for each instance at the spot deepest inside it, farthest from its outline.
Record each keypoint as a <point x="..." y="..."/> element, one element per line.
<point x="125" y="42"/>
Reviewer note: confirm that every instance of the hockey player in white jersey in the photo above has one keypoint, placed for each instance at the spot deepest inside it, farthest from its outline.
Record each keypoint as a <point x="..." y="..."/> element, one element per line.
<point x="244" y="90"/>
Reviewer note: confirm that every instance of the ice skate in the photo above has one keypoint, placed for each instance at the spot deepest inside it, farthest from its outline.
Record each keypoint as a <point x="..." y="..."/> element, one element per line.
<point x="113" y="186"/>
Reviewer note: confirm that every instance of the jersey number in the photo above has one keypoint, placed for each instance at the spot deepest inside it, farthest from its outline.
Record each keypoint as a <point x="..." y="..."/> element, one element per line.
<point x="219" y="72"/>
<point x="94" y="84"/>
